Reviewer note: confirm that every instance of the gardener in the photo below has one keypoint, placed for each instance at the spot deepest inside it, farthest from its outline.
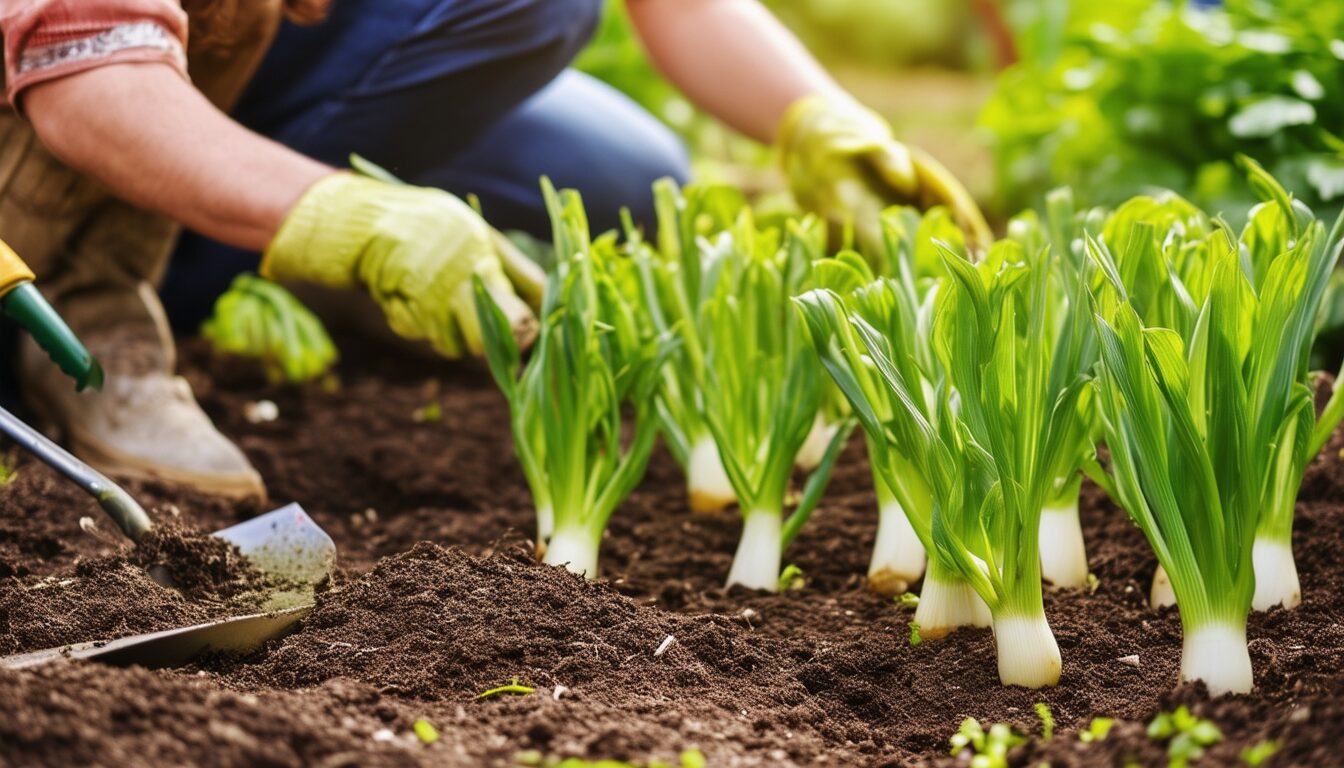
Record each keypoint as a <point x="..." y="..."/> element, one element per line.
<point x="119" y="136"/>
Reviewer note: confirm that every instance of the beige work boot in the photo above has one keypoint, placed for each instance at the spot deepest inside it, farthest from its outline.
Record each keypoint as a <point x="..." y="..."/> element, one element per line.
<point x="145" y="424"/>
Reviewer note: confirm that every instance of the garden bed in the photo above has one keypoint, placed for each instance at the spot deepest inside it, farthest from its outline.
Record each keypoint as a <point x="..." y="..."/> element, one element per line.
<point x="438" y="600"/>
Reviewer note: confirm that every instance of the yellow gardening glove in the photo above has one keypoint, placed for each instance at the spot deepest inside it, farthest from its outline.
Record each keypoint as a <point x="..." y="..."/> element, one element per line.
<point x="842" y="162"/>
<point x="414" y="249"/>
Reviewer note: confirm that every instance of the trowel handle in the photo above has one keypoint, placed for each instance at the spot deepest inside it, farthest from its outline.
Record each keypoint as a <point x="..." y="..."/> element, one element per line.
<point x="21" y="300"/>
<point x="127" y="513"/>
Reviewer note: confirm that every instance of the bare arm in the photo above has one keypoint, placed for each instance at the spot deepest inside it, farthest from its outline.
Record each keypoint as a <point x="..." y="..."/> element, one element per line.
<point x="155" y="141"/>
<point x="732" y="58"/>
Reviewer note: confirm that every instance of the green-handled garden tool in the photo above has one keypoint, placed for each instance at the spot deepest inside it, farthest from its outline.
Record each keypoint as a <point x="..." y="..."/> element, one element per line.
<point x="21" y="300"/>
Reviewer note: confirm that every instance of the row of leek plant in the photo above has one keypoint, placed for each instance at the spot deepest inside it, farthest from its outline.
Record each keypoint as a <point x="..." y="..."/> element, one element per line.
<point x="974" y="386"/>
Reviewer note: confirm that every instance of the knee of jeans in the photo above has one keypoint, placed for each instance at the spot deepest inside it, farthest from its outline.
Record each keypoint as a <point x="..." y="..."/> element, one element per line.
<point x="662" y="155"/>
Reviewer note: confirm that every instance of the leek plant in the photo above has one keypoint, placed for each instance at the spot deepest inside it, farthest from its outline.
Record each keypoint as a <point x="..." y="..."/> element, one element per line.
<point x="1063" y="550"/>
<point x="678" y="279"/>
<point x="742" y="393"/>
<point x="1017" y="347"/>
<point x="901" y="308"/>
<point x="1209" y="433"/>
<point x="1274" y="228"/>
<point x="593" y="363"/>
<point x="830" y="418"/>
<point x="973" y="436"/>
<point x="762" y="389"/>
<point x="1161" y="247"/>
<point x="872" y="340"/>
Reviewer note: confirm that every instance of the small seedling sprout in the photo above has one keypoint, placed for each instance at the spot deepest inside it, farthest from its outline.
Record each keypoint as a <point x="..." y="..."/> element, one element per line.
<point x="1256" y="754"/>
<point x="989" y="749"/>
<point x="425" y="731"/>
<point x="1047" y="720"/>
<point x="9" y="471"/>
<point x="792" y="578"/>
<point x="1097" y="730"/>
<point x="1186" y="735"/>
<point x="514" y="688"/>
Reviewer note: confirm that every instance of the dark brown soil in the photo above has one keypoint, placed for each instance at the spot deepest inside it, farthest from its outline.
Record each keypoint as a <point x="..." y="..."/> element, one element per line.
<point x="440" y="601"/>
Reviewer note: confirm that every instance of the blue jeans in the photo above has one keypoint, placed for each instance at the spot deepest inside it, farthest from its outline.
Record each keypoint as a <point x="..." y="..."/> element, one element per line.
<point x="468" y="95"/>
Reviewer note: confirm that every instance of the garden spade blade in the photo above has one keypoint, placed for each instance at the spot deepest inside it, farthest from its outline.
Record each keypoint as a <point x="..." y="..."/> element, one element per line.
<point x="172" y="647"/>
<point x="287" y="545"/>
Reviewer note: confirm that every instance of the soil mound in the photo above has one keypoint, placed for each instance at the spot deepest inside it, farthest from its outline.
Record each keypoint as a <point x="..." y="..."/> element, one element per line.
<point x="85" y="714"/>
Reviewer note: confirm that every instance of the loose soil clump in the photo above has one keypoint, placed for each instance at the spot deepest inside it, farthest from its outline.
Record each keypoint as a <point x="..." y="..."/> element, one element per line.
<point x="202" y="566"/>
<point x="440" y="601"/>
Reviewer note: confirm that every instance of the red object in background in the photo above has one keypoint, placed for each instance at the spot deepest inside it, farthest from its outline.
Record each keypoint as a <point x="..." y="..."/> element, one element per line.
<point x="991" y="15"/>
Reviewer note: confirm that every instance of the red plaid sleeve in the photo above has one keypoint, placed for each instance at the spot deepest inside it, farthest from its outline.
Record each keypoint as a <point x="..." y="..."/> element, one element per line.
<point x="47" y="39"/>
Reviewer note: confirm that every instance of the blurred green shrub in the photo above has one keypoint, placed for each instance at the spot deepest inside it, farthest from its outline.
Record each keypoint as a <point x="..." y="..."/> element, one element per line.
<point x="1116" y="99"/>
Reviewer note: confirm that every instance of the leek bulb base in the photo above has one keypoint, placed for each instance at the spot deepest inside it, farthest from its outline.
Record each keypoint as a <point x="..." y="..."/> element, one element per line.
<point x="814" y="447"/>
<point x="756" y="564"/>
<point x="1063" y="554"/>
<point x="1276" y="581"/>
<point x="1217" y="654"/>
<point x="575" y="549"/>
<point x="898" y="557"/>
<point x="1161" y="595"/>
<point x="707" y="483"/>
<point x="1027" y="652"/>
<point x="947" y="602"/>
<point x="545" y="524"/>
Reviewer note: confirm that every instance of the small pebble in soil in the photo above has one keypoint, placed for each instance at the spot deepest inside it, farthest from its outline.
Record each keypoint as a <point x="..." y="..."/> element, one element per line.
<point x="261" y="412"/>
<point x="663" y="646"/>
<point x="1131" y="660"/>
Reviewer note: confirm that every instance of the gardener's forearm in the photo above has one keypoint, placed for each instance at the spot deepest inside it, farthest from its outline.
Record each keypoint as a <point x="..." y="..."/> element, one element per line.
<point x="155" y="141"/>
<point x="731" y="57"/>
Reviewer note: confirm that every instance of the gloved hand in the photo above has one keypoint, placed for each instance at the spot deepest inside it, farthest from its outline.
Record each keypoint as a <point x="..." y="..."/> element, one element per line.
<point x="414" y="249"/>
<point x="842" y="162"/>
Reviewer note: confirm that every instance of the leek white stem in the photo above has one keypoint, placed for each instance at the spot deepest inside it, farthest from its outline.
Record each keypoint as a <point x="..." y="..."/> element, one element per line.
<point x="1276" y="580"/>
<point x="814" y="447"/>
<point x="898" y="557"/>
<point x="1027" y="651"/>
<point x="1063" y="554"/>
<point x="947" y="603"/>
<point x="545" y="523"/>
<point x="706" y="481"/>
<point x="1217" y="654"/>
<point x="576" y="549"/>
<point x="1161" y="595"/>
<point x="757" y="561"/>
